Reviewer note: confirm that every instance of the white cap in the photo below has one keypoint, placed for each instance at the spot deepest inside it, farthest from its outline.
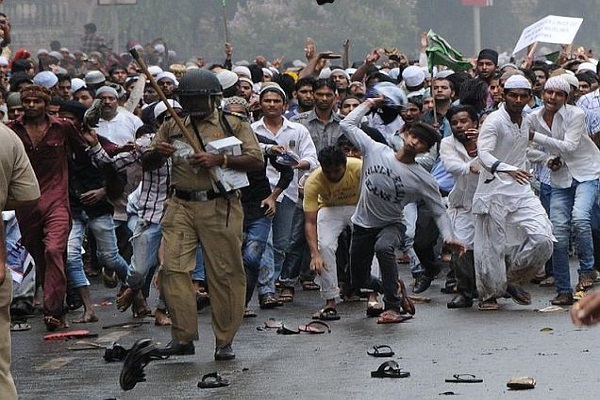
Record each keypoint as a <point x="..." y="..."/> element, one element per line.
<point x="571" y="78"/>
<point x="161" y="107"/>
<point x="227" y="78"/>
<point x="154" y="70"/>
<point x="241" y="70"/>
<point x="267" y="72"/>
<point x="46" y="79"/>
<point x="586" y="66"/>
<point x="168" y="75"/>
<point x="517" y="82"/>
<point x="413" y="75"/>
<point x="325" y="73"/>
<point x="3" y="61"/>
<point x="77" y="83"/>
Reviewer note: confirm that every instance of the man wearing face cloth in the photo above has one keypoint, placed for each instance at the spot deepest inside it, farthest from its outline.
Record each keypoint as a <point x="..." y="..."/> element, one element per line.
<point x="199" y="214"/>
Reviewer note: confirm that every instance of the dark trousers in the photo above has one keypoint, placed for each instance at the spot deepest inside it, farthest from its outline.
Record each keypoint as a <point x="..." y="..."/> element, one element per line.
<point x="381" y="242"/>
<point x="464" y="270"/>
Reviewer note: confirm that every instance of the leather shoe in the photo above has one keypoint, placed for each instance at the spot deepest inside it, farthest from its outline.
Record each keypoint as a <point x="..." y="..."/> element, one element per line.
<point x="175" y="348"/>
<point x="562" y="299"/>
<point x="422" y="283"/>
<point x="460" y="301"/>
<point x="224" y="353"/>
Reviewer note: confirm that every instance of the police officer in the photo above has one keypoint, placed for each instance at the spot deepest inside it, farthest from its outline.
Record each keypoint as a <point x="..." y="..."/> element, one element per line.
<point x="198" y="213"/>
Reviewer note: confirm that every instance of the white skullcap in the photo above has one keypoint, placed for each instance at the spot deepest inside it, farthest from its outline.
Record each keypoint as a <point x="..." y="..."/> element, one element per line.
<point x="46" y="79"/>
<point x="240" y="70"/>
<point x="154" y="70"/>
<point x="571" y="78"/>
<point x="248" y="80"/>
<point x="341" y="71"/>
<point x="227" y="78"/>
<point x="77" y="83"/>
<point x="107" y="89"/>
<point x="3" y="61"/>
<point x="267" y="72"/>
<point x="413" y="76"/>
<point x="557" y="83"/>
<point x="325" y="73"/>
<point x="444" y="74"/>
<point x="517" y="82"/>
<point x="161" y="108"/>
<point x="168" y="75"/>
<point x="586" y="66"/>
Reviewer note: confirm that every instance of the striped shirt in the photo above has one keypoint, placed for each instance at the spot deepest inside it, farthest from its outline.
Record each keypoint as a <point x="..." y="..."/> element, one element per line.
<point x="590" y="101"/>
<point x="153" y="189"/>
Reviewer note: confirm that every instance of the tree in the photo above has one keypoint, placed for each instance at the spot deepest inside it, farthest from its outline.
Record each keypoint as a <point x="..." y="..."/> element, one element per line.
<point x="280" y="27"/>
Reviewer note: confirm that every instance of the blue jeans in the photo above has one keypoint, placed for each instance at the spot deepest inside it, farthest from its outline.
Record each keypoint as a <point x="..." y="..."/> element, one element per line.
<point x="256" y="234"/>
<point x="296" y="257"/>
<point x="282" y="230"/>
<point x="266" y="272"/>
<point x="572" y="206"/>
<point x="103" y="229"/>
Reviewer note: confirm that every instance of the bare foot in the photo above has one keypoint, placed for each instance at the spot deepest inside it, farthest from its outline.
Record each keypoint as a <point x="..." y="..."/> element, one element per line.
<point x="140" y="307"/>
<point x="87" y="317"/>
<point x="125" y="300"/>
<point x="161" y="318"/>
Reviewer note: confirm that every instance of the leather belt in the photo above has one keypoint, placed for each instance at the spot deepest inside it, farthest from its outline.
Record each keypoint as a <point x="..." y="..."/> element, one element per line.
<point x="196" y="195"/>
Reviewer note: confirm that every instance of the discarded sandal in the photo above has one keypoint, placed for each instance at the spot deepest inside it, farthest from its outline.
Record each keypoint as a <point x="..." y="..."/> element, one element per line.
<point x="383" y="350"/>
<point x="115" y="352"/>
<point x="272" y="323"/>
<point x="389" y="369"/>
<point x="392" y="317"/>
<point x="313" y="327"/>
<point x="16" y="326"/>
<point x="327" y="314"/>
<point x="521" y="383"/>
<point x="284" y="330"/>
<point x="212" y="380"/>
<point x="142" y="352"/>
<point x="374" y="309"/>
<point x="464" y="378"/>
<point x="70" y="334"/>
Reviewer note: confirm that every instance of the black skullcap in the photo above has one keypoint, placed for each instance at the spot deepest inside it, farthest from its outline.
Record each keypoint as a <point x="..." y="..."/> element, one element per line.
<point x="425" y="132"/>
<point x="488" y="54"/>
<point x="73" y="107"/>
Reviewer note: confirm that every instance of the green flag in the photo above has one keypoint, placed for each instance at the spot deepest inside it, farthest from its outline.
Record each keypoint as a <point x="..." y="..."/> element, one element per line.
<point x="439" y="52"/>
<point x="553" y="57"/>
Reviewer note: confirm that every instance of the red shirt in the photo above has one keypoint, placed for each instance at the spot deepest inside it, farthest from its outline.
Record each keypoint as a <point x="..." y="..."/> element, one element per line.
<point x="49" y="157"/>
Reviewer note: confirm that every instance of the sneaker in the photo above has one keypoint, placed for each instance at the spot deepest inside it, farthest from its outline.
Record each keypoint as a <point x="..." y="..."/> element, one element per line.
<point x="422" y="283"/>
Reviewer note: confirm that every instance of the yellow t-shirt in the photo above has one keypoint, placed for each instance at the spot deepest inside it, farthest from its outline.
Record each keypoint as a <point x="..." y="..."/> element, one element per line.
<point x="319" y="192"/>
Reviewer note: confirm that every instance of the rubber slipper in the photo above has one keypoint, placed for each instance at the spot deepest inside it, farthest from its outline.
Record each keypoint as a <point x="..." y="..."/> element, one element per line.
<point x="272" y="323"/>
<point x="389" y="369"/>
<point x="284" y="330"/>
<point x="309" y="285"/>
<point x="327" y="314"/>
<point x="17" y="326"/>
<point x="374" y="309"/>
<point x="115" y="352"/>
<point x="69" y="334"/>
<point x="383" y="350"/>
<point x="464" y="378"/>
<point x="405" y="301"/>
<point x="521" y="383"/>
<point x="312" y="327"/>
<point x="392" y="318"/>
<point x="142" y="352"/>
<point x="212" y="380"/>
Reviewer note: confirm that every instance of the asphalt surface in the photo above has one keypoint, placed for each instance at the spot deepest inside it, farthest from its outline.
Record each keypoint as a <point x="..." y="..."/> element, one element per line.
<point x="438" y="343"/>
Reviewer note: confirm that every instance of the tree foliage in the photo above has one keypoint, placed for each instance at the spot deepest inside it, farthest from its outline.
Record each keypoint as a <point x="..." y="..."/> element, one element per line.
<point x="280" y="27"/>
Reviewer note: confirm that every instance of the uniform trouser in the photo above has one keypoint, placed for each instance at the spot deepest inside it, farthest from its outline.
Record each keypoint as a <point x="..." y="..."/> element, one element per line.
<point x="382" y="242"/>
<point x="331" y="222"/>
<point x="490" y="246"/>
<point x="184" y="224"/>
<point x="7" y="385"/>
<point x="45" y="236"/>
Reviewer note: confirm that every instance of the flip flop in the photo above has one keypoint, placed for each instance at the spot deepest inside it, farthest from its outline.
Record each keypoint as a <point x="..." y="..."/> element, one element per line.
<point x="389" y="369"/>
<point x="312" y="328"/>
<point x="284" y="330"/>
<point x="405" y="302"/>
<point x="327" y="314"/>
<point x="69" y="335"/>
<point x="17" y="326"/>
<point x="142" y="352"/>
<point x="388" y="318"/>
<point x="115" y="352"/>
<point x="212" y="380"/>
<point x="374" y="309"/>
<point x="272" y="323"/>
<point x="464" y="378"/>
<point x="383" y="350"/>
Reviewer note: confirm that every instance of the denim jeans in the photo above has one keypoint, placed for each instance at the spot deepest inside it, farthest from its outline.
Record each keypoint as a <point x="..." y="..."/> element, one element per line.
<point x="282" y="230"/>
<point x="382" y="242"/>
<point x="256" y="234"/>
<point x="297" y="257"/>
<point x="572" y="206"/>
<point x="266" y="272"/>
<point x="103" y="229"/>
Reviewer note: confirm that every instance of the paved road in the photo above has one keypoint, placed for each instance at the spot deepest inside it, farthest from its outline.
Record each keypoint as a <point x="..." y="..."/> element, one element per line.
<point x="436" y="344"/>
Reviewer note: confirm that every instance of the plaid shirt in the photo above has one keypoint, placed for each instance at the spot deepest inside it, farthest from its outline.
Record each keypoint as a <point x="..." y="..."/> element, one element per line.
<point x="590" y="101"/>
<point x="91" y="43"/>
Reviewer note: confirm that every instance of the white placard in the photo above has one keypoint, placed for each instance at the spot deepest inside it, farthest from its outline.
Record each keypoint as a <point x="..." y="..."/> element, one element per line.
<point x="551" y="29"/>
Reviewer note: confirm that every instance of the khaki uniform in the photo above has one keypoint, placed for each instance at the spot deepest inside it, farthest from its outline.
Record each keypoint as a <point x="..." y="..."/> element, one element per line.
<point x="185" y="223"/>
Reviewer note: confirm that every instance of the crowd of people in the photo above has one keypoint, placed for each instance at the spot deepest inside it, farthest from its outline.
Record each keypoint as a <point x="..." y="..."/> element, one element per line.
<point x="207" y="183"/>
